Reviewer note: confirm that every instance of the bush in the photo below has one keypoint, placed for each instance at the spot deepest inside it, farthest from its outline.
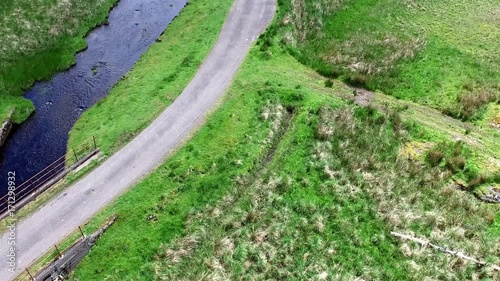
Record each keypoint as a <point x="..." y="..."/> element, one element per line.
<point x="329" y="83"/>
<point x="357" y="80"/>
<point x="396" y="121"/>
<point x="326" y="71"/>
<point x="455" y="163"/>
<point x="435" y="156"/>
<point x="453" y="154"/>
<point x="479" y="180"/>
<point x="457" y="149"/>
<point x="470" y="103"/>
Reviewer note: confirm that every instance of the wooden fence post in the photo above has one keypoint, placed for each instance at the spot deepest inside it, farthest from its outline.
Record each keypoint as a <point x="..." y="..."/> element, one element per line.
<point x="74" y="152"/>
<point x="81" y="231"/>
<point x="31" y="276"/>
<point x="58" y="252"/>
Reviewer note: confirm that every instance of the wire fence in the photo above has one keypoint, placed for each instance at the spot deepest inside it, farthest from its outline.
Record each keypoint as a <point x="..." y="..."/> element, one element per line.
<point x="43" y="177"/>
<point x="51" y="255"/>
<point x="65" y="254"/>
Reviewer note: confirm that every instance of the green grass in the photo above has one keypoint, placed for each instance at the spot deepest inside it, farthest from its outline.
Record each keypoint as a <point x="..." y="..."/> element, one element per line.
<point x="291" y="223"/>
<point x="156" y="80"/>
<point x="437" y="53"/>
<point x="289" y="179"/>
<point x="228" y="205"/>
<point x="286" y="167"/>
<point x="40" y="38"/>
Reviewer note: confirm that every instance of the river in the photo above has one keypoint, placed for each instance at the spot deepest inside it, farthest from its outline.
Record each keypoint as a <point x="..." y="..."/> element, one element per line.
<point x="112" y="51"/>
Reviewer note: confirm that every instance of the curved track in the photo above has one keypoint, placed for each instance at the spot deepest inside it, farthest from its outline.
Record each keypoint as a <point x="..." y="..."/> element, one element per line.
<point x="37" y="233"/>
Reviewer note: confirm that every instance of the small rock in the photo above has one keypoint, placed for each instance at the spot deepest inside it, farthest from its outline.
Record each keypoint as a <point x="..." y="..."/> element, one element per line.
<point x="152" y="217"/>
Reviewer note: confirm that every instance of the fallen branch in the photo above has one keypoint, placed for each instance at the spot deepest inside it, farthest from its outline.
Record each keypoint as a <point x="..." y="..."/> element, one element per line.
<point x="425" y="243"/>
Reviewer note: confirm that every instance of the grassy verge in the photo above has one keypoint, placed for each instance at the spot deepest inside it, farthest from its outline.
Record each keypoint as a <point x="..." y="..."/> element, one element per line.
<point x="156" y="80"/>
<point x="437" y="53"/>
<point x="320" y="206"/>
<point x="39" y="39"/>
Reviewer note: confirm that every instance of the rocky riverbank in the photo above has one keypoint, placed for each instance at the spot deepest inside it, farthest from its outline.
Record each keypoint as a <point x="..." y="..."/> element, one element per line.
<point x="5" y="129"/>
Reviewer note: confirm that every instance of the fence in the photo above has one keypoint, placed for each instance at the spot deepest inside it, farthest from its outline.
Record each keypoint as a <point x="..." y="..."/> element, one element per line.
<point x="64" y="256"/>
<point x="49" y="175"/>
<point x="51" y="255"/>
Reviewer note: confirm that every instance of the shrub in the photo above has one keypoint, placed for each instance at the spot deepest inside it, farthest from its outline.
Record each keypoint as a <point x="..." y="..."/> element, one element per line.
<point x="435" y="156"/>
<point x="329" y="83"/>
<point x="326" y="71"/>
<point x="457" y="149"/>
<point x="470" y="103"/>
<point x="479" y="180"/>
<point x="357" y="80"/>
<point x="453" y="155"/>
<point x="396" y="121"/>
<point x="455" y="163"/>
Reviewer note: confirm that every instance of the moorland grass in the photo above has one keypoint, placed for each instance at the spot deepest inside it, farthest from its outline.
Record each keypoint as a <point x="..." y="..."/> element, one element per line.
<point x="291" y="223"/>
<point x="323" y="210"/>
<point x="227" y="205"/>
<point x="437" y="53"/>
<point x="40" y="38"/>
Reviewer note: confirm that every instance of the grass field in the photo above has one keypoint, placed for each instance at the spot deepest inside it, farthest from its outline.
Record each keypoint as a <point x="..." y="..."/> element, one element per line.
<point x="285" y="181"/>
<point x="438" y="53"/>
<point x="40" y="38"/>
<point x="290" y="178"/>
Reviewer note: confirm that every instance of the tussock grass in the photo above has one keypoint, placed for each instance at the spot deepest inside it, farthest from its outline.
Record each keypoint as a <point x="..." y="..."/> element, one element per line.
<point x="282" y="225"/>
<point x="409" y="197"/>
<point x="423" y="51"/>
<point x="40" y="38"/>
<point x="332" y="221"/>
<point x="472" y="103"/>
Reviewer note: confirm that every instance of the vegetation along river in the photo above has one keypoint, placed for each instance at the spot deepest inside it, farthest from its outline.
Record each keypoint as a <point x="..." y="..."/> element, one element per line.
<point x="112" y="51"/>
